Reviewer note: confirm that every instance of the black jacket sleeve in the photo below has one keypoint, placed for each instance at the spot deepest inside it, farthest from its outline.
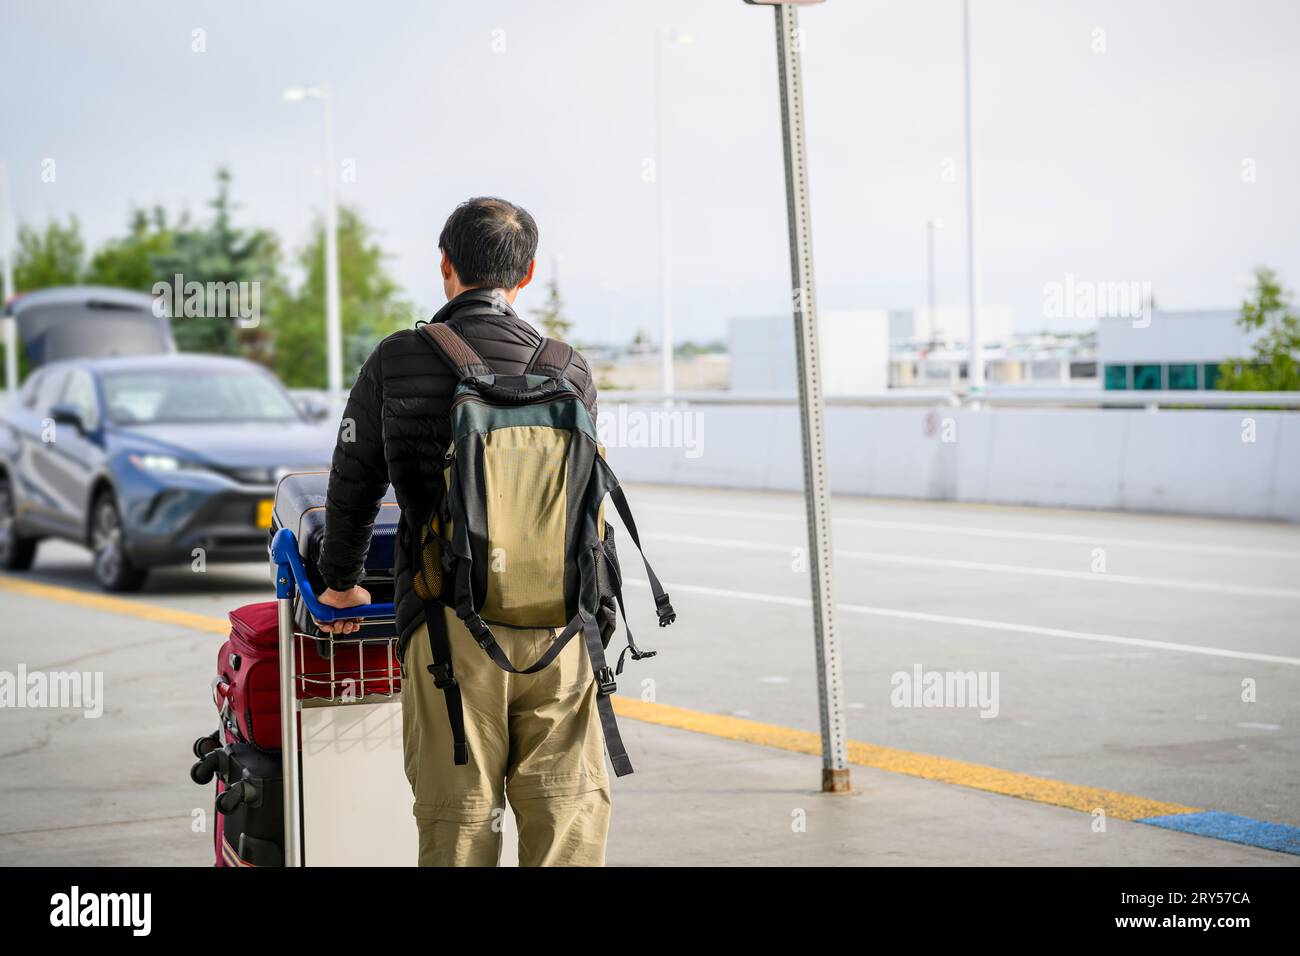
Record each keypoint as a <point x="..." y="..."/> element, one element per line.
<point x="358" y="480"/>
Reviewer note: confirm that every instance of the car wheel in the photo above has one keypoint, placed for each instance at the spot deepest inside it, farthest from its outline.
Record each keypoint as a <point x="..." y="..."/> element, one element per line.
<point x="17" y="552"/>
<point x="113" y="568"/>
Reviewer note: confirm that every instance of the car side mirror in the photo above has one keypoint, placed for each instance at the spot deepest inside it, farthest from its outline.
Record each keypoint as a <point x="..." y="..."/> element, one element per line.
<point x="313" y="409"/>
<point x="68" y="415"/>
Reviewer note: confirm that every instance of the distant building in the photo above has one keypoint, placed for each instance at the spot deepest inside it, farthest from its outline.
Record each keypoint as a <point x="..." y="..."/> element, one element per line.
<point x="1169" y="350"/>
<point x="869" y="350"/>
<point x="854" y="352"/>
<point x="933" y="350"/>
<point x="949" y="326"/>
<point x="1032" y="359"/>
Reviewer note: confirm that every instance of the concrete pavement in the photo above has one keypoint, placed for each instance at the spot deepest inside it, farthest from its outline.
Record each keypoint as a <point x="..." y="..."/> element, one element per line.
<point x="1153" y="714"/>
<point x="115" y="790"/>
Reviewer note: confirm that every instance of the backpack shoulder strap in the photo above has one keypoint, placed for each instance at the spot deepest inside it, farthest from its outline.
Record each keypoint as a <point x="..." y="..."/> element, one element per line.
<point x="663" y="607"/>
<point x="551" y="358"/>
<point x="444" y="678"/>
<point x="455" y="351"/>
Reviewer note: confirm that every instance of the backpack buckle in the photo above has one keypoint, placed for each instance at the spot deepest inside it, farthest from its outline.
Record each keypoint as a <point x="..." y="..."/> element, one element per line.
<point x="664" y="608"/>
<point x="442" y="676"/>
<point x="481" y="633"/>
<point x="636" y="652"/>
<point x="605" y="681"/>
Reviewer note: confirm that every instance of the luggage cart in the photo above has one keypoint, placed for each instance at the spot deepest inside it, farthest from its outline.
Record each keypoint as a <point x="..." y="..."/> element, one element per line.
<point x="301" y="691"/>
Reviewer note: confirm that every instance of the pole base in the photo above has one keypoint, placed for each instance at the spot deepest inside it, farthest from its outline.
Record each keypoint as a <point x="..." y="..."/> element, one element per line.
<point x="835" y="781"/>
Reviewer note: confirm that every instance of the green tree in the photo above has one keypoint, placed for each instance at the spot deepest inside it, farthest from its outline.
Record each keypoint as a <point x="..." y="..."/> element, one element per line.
<point x="1267" y="313"/>
<point x="550" y="316"/>
<point x="52" y="257"/>
<point x="132" y="262"/>
<point x="220" y="252"/>
<point x="369" y="303"/>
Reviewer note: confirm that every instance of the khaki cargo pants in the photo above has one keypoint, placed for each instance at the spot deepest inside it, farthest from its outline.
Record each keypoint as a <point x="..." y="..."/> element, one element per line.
<point x="533" y="738"/>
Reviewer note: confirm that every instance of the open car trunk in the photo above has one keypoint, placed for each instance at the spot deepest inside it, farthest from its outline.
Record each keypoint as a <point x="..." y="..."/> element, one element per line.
<point x="89" y="322"/>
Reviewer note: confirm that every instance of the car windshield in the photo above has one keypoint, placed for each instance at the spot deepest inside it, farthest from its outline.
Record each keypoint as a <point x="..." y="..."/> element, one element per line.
<point x="186" y="394"/>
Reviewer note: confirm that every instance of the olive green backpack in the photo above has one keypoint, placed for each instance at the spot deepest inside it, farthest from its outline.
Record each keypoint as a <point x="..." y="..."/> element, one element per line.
<point x="519" y="537"/>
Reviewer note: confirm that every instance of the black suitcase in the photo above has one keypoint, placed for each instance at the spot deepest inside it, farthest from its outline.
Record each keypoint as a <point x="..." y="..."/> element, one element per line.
<point x="300" y="507"/>
<point x="248" y="828"/>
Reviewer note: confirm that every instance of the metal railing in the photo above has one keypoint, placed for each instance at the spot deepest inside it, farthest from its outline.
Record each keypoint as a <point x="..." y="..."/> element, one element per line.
<point x="990" y="397"/>
<point x="1012" y="396"/>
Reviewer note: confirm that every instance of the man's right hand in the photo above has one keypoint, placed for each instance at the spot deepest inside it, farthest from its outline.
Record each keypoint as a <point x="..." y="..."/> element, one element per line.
<point x="353" y="597"/>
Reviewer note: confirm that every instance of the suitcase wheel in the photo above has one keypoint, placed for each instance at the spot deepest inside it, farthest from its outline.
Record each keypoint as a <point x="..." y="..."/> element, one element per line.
<point x="238" y="793"/>
<point x="205" y="745"/>
<point x="203" y="771"/>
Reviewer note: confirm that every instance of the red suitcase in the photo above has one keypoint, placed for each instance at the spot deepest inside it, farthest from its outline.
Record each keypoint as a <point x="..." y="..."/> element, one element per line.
<point x="243" y="755"/>
<point x="247" y="687"/>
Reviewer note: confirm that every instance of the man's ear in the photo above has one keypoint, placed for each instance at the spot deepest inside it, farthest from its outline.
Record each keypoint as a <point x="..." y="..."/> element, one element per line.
<point x="446" y="267"/>
<point x="528" y="276"/>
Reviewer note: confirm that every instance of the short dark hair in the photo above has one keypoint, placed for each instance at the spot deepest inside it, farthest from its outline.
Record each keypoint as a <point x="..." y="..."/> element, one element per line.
<point x="489" y="242"/>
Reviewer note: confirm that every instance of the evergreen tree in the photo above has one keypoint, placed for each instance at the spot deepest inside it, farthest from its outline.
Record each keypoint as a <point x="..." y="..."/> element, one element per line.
<point x="132" y="261"/>
<point x="221" y="252"/>
<point x="550" y="316"/>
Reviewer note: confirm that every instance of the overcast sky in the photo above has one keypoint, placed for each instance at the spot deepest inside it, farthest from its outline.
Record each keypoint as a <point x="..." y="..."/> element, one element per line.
<point x="1114" y="164"/>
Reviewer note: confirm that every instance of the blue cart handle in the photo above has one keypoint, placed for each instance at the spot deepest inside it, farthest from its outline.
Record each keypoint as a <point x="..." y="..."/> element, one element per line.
<point x="291" y="575"/>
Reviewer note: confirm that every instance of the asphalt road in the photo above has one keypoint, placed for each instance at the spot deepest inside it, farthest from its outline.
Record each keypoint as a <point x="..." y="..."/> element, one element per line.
<point x="1123" y="644"/>
<point x="1131" y="678"/>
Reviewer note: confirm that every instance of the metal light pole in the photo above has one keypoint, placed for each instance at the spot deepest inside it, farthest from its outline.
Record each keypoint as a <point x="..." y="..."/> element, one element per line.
<point x="7" y="252"/>
<point x="835" y="766"/>
<point x="662" y="40"/>
<point x="930" y="226"/>
<point x="333" y="312"/>
<point x="975" y="359"/>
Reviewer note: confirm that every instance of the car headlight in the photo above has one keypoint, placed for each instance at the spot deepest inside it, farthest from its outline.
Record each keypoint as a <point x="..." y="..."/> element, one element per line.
<point x="159" y="464"/>
<point x="152" y="462"/>
<point x="251" y="476"/>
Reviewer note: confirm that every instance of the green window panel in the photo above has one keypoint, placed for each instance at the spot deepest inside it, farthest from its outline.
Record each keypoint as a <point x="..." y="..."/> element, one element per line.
<point x="1211" y="375"/>
<point x="1116" y="377"/>
<point x="1182" y="377"/>
<point x="1146" y="378"/>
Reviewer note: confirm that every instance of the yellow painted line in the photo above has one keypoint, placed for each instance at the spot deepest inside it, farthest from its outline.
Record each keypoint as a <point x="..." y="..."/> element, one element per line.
<point x="114" y="605"/>
<point x="1123" y="806"/>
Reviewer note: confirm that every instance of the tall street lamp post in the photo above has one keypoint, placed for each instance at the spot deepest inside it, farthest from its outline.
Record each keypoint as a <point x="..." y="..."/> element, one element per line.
<point x="663" y="40"/>
<point x="333" y="312"/>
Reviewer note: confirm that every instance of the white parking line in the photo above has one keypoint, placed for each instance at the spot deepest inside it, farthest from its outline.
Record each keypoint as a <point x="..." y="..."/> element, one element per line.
<point x="1032" y="629"/>
<point x="929" y="528"/>
<point x="739" y="544"/>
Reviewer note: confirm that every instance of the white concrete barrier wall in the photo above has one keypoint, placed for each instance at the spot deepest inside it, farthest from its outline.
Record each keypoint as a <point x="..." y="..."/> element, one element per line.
<point x="1192" y="462"/>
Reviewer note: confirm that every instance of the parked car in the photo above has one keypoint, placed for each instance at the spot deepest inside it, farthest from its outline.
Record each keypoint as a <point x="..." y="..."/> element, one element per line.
<point x="146" y="458"/>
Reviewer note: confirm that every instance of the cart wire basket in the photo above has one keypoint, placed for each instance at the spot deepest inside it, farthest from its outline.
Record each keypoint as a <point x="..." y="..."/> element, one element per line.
<point x="327" y="670"/>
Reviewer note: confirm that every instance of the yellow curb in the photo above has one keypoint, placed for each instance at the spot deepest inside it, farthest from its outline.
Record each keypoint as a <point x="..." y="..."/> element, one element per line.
<point x="1122" y="806"/>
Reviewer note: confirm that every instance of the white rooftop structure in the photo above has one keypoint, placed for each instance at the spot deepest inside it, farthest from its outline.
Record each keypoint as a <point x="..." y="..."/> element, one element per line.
<point x="1205" y="335"/>
<point x="854" y="347"/>
<point x="949" y="325"/>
